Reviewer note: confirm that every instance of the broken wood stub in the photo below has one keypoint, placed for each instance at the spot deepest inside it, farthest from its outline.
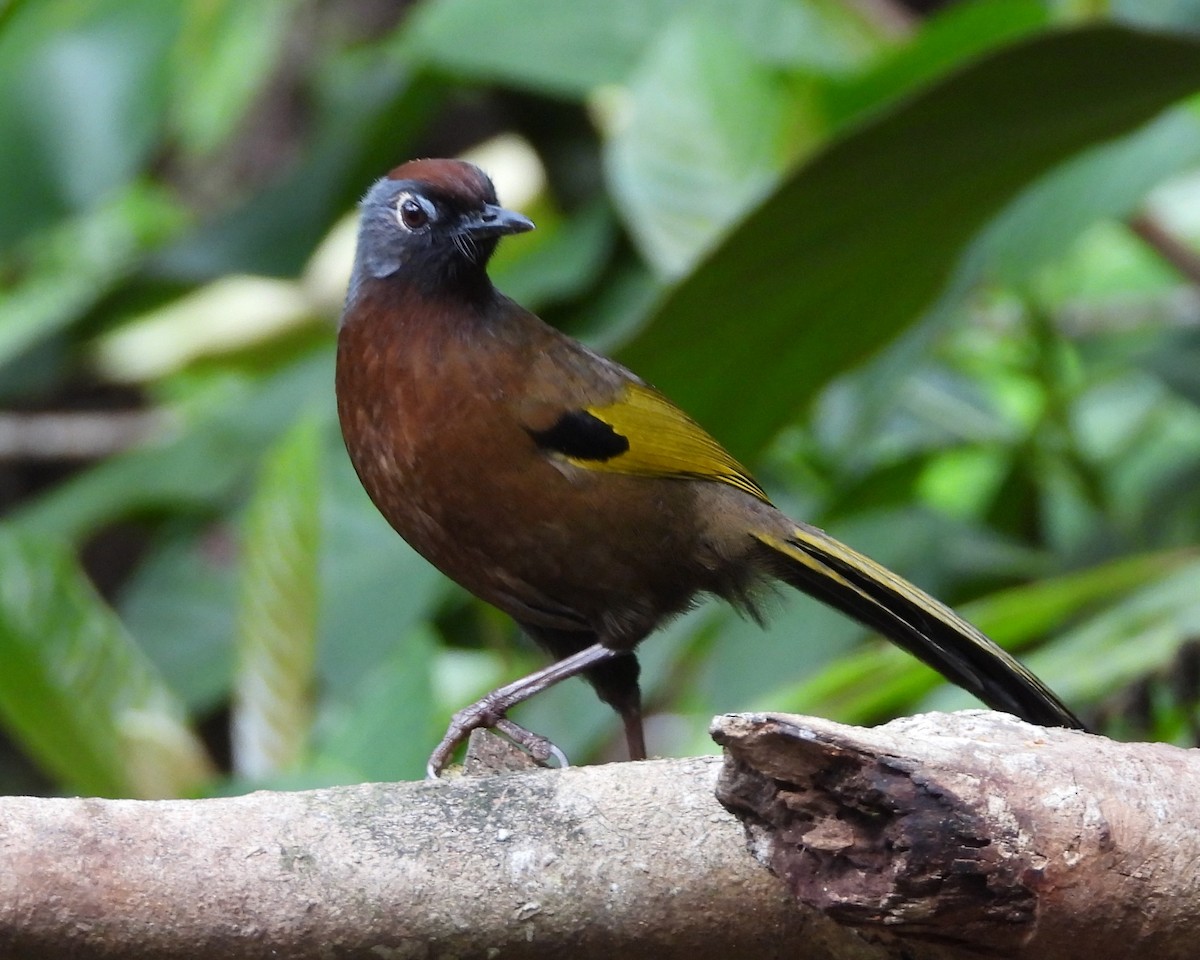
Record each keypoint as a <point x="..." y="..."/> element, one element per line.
<point x="869" y="841"/>
<point x="973" y="831"/>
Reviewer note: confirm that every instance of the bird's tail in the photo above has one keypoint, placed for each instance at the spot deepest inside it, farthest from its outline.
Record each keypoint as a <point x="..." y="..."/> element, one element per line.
<point x="812" y="561"/>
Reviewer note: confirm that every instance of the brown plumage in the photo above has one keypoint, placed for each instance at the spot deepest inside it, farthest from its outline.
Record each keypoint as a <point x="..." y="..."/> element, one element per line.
<point x="556" y="485"/>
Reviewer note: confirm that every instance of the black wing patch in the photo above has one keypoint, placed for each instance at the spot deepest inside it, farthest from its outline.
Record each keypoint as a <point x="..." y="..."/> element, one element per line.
<point x="579" y="435"/>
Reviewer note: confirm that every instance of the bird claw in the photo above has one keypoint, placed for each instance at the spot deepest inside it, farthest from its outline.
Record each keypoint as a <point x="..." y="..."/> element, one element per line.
<point x="481" y="716"/>
<point x="534" y="744"/>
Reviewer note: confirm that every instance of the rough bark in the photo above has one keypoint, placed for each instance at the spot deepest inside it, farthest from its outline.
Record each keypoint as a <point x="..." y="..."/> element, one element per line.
<point x="976" y="831"/>
<point x="584" y="862"/>
<point x="943" y="836"/>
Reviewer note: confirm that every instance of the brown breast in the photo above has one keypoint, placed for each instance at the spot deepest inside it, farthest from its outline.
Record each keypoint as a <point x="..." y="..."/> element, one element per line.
<point x="434" y="405"/>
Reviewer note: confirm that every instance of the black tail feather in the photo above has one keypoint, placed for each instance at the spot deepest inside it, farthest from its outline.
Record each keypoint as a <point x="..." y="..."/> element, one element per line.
<point x="815" y="563"/>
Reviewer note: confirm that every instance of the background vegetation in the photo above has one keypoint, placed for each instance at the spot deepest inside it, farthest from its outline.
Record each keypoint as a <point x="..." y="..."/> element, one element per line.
<point x="930" y="273"/>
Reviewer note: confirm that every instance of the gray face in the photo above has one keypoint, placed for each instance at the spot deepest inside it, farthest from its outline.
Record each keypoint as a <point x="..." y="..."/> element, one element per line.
<point x="419" y="231"/>
<point x="401" y="223"/>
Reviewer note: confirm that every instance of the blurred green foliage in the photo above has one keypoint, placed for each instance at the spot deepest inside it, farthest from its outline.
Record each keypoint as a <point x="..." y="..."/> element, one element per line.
<point x="930" y="277"/>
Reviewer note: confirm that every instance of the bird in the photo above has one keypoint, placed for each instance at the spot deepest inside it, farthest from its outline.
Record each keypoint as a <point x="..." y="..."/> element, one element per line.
<point x="558" y="486"/>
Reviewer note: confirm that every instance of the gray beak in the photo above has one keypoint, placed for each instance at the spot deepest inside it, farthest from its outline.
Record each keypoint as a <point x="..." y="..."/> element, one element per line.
<point x="495" y="221"/>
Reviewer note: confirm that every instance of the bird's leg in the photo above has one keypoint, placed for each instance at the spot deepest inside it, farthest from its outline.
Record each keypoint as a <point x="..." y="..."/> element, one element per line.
<point x="635" y="736"/>
<point x="490" y="711"/>
<point x="620" y="691"/>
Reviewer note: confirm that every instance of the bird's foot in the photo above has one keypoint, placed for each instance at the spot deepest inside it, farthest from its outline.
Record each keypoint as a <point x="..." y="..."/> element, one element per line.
<point x="491" y="712"/>
<point x="484" y="715"/>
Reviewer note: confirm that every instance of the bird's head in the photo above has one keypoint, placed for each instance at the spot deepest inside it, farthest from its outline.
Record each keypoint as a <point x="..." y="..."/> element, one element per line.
<point x="435" y="222"/>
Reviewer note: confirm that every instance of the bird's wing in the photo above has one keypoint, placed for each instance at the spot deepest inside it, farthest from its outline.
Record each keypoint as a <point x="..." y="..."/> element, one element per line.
<point x="642" y="433"/>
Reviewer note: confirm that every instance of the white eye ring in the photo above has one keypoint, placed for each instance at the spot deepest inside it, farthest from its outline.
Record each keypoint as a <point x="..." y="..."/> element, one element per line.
<point x="414" y="213"/>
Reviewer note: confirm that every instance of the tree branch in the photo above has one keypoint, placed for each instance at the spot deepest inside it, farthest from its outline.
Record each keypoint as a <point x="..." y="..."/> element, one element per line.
<point x="514" y="865"/>
<point x="939" y="836"/>
<point x="75" y="435"/>
<point x="1175" y="251"/>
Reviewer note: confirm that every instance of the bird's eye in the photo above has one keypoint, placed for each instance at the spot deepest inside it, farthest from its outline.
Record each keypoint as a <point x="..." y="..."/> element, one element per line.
<point x="413" y="212"/>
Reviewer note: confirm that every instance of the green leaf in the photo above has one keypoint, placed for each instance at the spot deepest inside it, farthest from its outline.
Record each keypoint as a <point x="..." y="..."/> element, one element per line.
<point x="82" y="99"/>
<point x="569" y="49"/>
<point x="180" y="604"/>
<point x="1141" y="633"/>
<point x="1158" y="13"/>
<point x="701" y="137"/>
<point x="277" y="622"/>
<point x="883" y="680"/>
<point x="955" y="35"/>
<point x="858" y="242"/>
<point x="366" y="106"/>
<point x="1175" y="360"/>
<point x="1108" y="181"/>
<point x="66" y="270"/>
<point x="376" y="588"/>
<point x="560" y="48"/>
<point x="194" y="469"/>
<point x="387" y="727"/>
<point x="76" y="690"/>
<point x="568" y="256"/>
<point x="1013" y="617"/>
<point x="227" y="52"/>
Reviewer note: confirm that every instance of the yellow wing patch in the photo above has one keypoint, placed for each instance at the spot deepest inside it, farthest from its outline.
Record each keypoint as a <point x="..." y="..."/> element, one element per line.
<point x="665" y="442"/>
